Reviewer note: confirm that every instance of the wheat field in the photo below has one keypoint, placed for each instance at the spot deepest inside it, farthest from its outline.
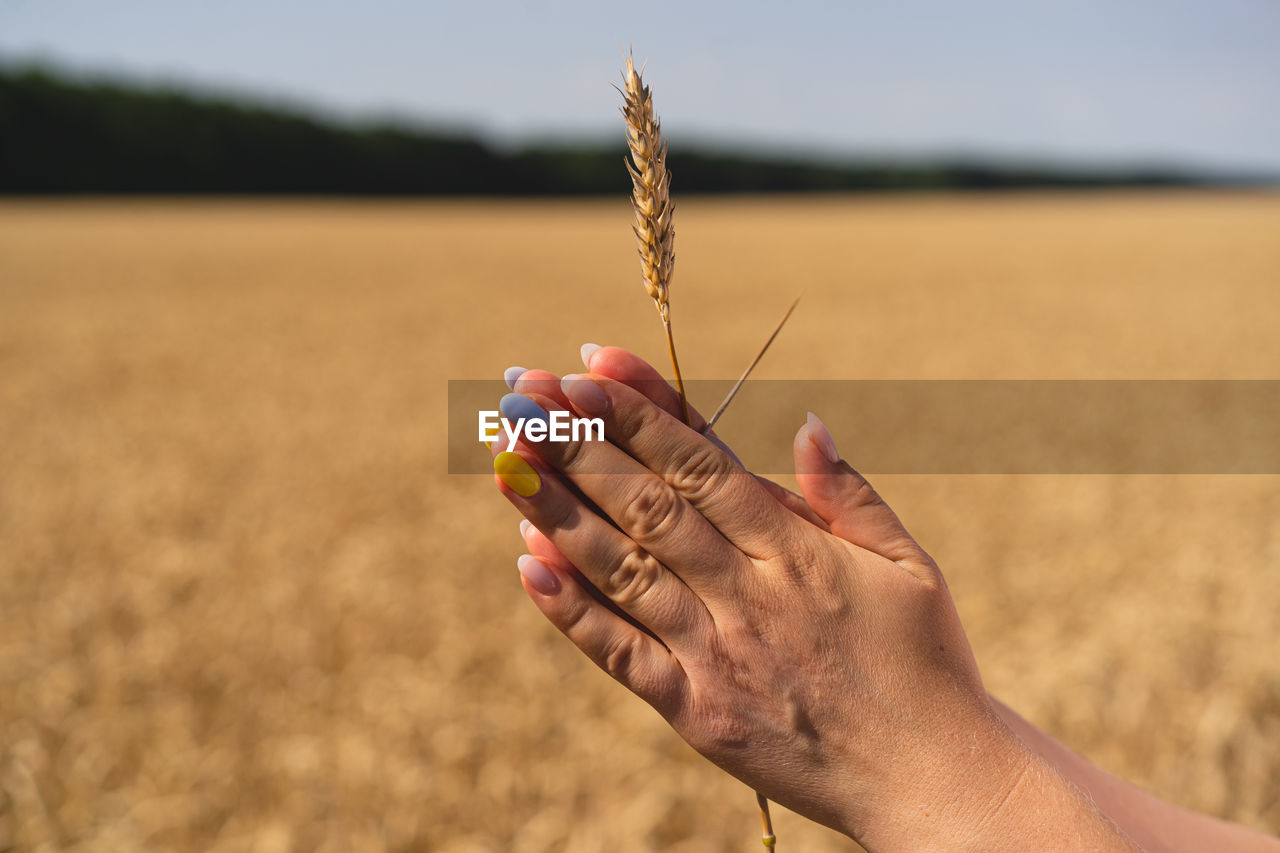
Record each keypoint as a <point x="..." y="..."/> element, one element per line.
<point x="244" y="607"/>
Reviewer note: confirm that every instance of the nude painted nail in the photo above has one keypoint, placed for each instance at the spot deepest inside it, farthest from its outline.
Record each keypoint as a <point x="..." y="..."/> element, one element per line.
<point x="821" y="438"/>
<point x="585" y="394"/>
<point x="525" y="524"/>
<point x="538" y="574"/>
<point x="586" y="352"/>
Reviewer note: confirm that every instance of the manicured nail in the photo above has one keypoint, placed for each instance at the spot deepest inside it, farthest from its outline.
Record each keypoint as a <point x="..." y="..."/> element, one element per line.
<point x="586" y="352"/>
<point x="525" y="524"/>
<point x="585" y="394"/>
<point x="511" y="374"/>
<point x="516" y="406"/>
<point x="538" y="574"/>
<point x="516" y="474"/>
<point x="499" y="443"/>
<point x="821" y="437"/>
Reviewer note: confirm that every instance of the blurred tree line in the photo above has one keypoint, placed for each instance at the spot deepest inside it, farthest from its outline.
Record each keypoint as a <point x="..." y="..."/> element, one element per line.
<point x="64" y="135"/>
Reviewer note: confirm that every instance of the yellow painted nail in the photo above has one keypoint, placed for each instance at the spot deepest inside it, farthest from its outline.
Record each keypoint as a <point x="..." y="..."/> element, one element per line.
<point x="517" y="474"/>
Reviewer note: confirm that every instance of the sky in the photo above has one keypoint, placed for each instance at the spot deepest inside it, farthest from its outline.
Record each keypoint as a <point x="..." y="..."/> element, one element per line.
<point x="1123" y="82"/>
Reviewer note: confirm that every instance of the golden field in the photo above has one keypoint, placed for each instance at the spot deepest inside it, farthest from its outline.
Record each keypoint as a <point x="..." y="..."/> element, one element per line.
<point x="244" y="607"/>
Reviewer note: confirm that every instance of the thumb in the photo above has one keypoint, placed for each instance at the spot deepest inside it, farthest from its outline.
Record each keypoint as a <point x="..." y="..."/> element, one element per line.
<point x="845" y="500"/>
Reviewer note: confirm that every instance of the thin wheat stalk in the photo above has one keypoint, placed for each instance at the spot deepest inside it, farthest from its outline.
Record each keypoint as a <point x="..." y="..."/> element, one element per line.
<point x="651" y="198"/>
<point x="733" y="392"/>
<point x="768" y="839"/>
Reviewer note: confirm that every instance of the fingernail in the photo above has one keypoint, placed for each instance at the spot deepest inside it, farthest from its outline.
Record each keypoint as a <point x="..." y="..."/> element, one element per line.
<point x="511" y="374"/>
<point x="516" y="406"/>
<point x="821" y="437"/>
<point x="586" y="352"/>
<point x="585" y="394"/>
<point x="538" y="574"/>
<point x="516" y="474"/>
<point x="500" y="441"/>
<point x="525" y="524"/>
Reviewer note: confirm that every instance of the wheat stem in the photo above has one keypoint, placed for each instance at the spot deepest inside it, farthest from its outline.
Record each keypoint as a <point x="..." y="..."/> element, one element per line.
<point x="733" y="392"/>
<point x="768" y="839"/>
<point x="675" y="365"/>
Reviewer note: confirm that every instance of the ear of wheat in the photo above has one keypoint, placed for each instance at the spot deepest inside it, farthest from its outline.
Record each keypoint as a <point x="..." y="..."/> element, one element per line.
<point x="651" y="198"/>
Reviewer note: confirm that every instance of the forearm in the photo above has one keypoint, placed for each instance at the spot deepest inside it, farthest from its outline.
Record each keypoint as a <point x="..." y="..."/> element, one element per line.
<point x="1158" y="826"/>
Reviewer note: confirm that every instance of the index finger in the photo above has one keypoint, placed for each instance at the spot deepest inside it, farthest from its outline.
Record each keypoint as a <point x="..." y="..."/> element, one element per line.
<point x="697" y="468"/>
<point x="630" y="369"/>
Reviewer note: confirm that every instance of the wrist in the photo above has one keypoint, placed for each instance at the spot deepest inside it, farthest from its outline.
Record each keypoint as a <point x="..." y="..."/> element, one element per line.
<point x="950" y="787"/>
<point x="975" y="786"/>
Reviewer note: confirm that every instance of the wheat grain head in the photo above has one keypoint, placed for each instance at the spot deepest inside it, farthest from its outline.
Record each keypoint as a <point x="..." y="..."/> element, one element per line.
<point x="651" y="198"/>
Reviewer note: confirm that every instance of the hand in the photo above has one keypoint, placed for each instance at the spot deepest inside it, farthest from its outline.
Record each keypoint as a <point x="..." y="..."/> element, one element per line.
<point x="826" y="668"/>
<point x="630" y="369"/>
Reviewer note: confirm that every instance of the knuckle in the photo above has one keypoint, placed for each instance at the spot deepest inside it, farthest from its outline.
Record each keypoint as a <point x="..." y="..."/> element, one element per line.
<point x="559" y="515"/>
<point x="799" y="553"/>
<point x="632" y="579"/>
<point x="865" y="494"/>
<point x="701" y="472"/>
<point x="931" y="582"/>
<point x="654" y="506"/>
<point x="568" y="452"/>
<point x="630" y="421"/>
<point x="619" y="655"/>
<point x="788" y="546"/>
<point x="717" y="731"/>
<point x="573" y="619"/>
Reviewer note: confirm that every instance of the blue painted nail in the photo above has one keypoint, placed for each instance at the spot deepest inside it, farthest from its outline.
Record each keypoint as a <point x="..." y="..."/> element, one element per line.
<point x="511" y="374"/>
<point x="517" y="406"/>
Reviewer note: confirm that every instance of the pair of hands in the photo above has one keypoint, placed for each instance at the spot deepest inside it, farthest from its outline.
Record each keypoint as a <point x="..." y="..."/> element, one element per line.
<point x="804" y="643"/>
